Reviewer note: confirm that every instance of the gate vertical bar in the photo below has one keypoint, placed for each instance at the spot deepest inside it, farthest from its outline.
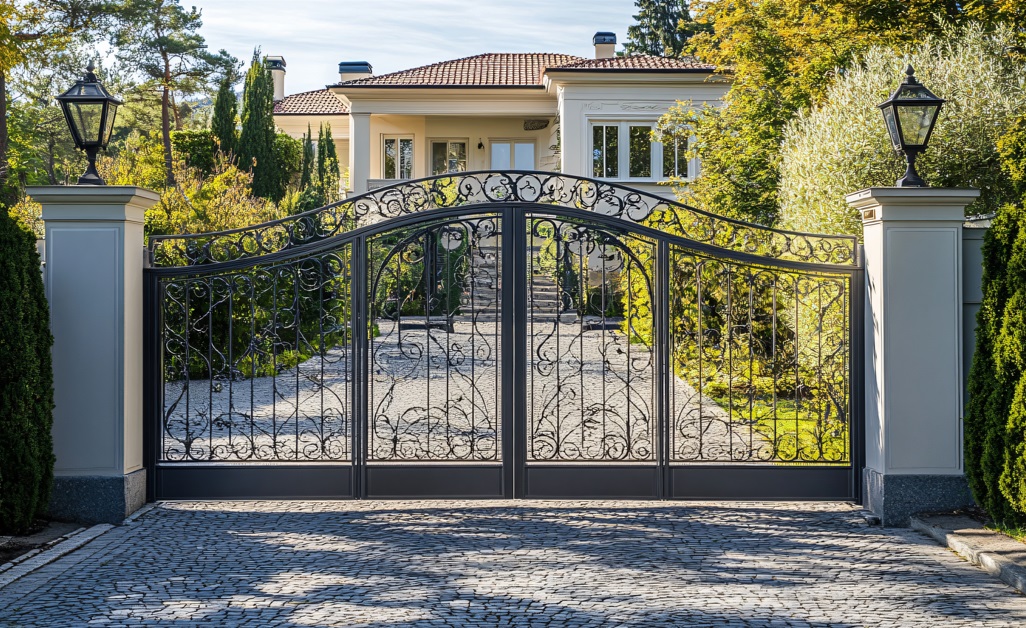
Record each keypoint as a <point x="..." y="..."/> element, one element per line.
<point x="152" y="379"/>
<point x="507" y="242"/>
<point x="857" y="374"/>
<point x="515" y="253"/>
<point x="661" y="340"/>
<point x="360" y="314"/>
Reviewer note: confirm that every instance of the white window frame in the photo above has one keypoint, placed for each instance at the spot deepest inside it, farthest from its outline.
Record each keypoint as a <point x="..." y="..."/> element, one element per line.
<point x="623" y="125"/>
<point x="448" y="140"/>
<point x="398" y="164"/>
<point x="513" y="141"/>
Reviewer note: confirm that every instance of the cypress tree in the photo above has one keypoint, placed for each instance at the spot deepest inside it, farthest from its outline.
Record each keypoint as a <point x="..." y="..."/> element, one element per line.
<point x="306" y="178"/>
<point x="223" y="123"/>
<point x="327" y="164"/>
<point x="26" y="382"/>
<point x="256" y="141"/>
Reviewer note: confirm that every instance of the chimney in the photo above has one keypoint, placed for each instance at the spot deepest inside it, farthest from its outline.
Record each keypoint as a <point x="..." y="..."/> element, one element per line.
<point x="605" y="45"/>
<point x="277" y="67"/>
<point x="352" y="70"/>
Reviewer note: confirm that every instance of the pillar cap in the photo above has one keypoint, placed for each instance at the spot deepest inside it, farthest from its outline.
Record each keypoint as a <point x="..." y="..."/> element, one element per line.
<point x="93" y="194"/>
<point x="912" y="196"/>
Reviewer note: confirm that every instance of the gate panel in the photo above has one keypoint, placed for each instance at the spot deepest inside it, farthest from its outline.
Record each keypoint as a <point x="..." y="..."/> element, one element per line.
<point x="592" y="416"/>
<point x="759" y="388"/>
<point x="436" y="359"/>
<point x="257" y="369"/>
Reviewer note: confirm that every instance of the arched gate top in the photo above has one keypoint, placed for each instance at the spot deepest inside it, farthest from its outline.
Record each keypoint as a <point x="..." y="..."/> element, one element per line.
<point x="502" y="188"/>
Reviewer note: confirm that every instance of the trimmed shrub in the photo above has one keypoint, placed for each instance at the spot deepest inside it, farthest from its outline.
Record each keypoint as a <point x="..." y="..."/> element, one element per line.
<point x="26" y="382"/>
<point x="995" y="418"/>
<point x="842" y="146"/>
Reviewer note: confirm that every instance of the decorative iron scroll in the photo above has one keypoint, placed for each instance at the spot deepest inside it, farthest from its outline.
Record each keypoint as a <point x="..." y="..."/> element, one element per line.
<point x="471" y="188"/>
<point x="257" y="363"/>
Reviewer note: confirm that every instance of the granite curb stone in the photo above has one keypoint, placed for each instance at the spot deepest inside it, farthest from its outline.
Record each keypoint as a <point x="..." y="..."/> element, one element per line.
<point x="995" y="553"/>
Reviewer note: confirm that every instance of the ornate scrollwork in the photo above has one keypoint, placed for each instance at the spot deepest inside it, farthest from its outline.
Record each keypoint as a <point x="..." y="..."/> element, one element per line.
<point x="257" y="363"/>
<point x="460" y="189"/>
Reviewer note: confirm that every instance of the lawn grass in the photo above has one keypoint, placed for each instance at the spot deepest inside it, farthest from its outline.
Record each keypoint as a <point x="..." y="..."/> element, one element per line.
<point x="793" y="427"/>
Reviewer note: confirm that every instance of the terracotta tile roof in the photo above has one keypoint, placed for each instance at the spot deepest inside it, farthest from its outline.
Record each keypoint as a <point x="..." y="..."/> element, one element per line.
<point x="638" y="63"/>
<point x="317" y="102"/>
<point x="487" y="70"/>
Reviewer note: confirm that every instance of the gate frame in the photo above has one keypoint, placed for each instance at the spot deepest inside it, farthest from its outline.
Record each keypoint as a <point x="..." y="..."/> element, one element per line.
<point x="513" y="449"/>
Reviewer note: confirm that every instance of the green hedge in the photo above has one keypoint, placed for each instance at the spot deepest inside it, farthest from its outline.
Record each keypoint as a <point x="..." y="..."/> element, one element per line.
<point x="26" y="382"/>
<point x="995" y="421"/>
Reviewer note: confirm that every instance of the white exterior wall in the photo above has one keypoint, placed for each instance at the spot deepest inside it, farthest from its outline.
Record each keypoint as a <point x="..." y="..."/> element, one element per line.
<point x="580" y="105"/>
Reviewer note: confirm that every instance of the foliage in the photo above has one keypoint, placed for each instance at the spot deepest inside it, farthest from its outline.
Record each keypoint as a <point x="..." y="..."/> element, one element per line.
<point x="842" y="146"/>
<point x="288" y="155"/>
<point x="197" y="148"/>
<point x="194" y="203"/>
<point x="995" y="418"/>
<point x="327" y="164"/>
<point x="781" y="56"/>
<point x="661" y="28"/>
<point x="160" y="39"/>
<point x="33" y="30"/>
<point x="306" y="173"/>
<point x="223" y="123"/>
<point x="256" y="141"/>
<point x="26" y="382"/>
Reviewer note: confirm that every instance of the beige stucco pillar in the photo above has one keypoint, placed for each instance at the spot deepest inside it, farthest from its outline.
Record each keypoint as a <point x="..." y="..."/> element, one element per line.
<point x="359" y="152"/>
<point x="914" y="334"/>
<point x="93" y="273"/>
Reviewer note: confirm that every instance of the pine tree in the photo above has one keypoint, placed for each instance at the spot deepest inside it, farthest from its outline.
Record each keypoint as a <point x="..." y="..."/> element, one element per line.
<point x="256" y="141"/>
<point x="223" y="122"/>
<point x="662" y="28"/>
<point x="306" y="178"/>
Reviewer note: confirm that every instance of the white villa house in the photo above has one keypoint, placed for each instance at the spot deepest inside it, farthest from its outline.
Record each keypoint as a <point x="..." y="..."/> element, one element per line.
<point x="501" y="111"/>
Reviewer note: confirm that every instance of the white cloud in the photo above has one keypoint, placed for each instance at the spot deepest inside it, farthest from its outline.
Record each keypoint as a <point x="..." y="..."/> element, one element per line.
<point x="314" y="35"/>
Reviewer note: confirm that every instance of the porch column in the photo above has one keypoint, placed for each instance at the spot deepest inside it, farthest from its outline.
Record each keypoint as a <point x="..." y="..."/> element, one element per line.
<point x="359" y="152"/>
<point x="913" y="379"/>
<point x="93" y="274"/>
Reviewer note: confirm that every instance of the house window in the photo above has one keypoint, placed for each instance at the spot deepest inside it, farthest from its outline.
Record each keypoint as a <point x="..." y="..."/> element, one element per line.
<point x="675" y="158"/>
<point x="508" y="154"/>
<point x="605" y="155"/>
<point x="624" y="150"/>
<point x="448" y="156"/>
<point x="397" y="157"/>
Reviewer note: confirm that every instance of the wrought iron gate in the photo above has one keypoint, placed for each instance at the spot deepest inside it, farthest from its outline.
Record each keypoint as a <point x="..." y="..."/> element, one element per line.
<point x="504" y="334"/>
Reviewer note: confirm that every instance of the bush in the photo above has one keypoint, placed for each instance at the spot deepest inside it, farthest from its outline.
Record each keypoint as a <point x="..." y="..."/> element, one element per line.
<point x="995" y="418"/>
<point x="26" y="382"/>
<point x="196" y="148"/>
<point x="842" y="146"/>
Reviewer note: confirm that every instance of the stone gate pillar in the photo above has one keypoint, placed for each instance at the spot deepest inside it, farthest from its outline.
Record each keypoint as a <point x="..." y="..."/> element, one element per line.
<point x="93" y="274"/>
<point x="913" y="378"/>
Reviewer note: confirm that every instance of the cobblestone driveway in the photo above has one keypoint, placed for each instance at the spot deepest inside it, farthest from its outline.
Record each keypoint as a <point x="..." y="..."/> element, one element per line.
<point x="499" y="563"/>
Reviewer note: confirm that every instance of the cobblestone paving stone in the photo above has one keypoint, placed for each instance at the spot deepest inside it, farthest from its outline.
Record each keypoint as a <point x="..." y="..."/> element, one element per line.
<point x="426" y="563"/>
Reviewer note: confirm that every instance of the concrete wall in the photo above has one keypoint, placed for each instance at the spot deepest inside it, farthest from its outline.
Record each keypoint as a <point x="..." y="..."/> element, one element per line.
<point x="972" y="291"/>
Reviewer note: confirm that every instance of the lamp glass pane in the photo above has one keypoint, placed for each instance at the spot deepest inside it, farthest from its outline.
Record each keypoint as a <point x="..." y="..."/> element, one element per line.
<point x="892" y="127"/>
<point x="915" y="122"/>
<point x="112" y="112"/>
<point x="88" y="118"/>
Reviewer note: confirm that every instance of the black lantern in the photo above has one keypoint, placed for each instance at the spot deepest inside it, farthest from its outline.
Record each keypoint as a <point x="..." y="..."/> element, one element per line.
<point x="90" y="111"/>
<point x="910" y="114"/>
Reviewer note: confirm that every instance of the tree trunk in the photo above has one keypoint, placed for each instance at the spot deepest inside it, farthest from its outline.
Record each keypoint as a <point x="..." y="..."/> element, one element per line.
<point x="6" y="191"/>
<point x="165" y="131"/>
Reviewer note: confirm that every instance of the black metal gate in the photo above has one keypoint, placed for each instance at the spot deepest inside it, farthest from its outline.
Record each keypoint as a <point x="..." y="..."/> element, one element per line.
<point x="504" y="334"/>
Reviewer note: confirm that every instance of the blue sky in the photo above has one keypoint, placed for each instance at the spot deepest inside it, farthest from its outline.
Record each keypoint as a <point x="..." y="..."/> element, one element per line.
<point x="314" y="35"/>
